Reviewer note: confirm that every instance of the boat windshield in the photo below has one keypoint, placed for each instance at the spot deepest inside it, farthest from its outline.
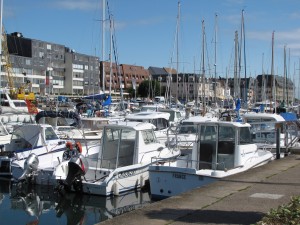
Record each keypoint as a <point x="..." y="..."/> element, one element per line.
<point x="118" y="147"/>
<point x="50" y="134"/>
<point x="187" y="128"/>
<point x="149" y="137"/>
<point x="245" y="136"/>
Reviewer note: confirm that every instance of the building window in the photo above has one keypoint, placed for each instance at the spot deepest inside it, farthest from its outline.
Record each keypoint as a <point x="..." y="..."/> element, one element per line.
<point x="48" y="47"/>
<point x="28" y="62"/>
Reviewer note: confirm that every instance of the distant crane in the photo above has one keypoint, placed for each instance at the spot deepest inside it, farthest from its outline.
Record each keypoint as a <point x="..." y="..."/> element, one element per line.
<point x="7" y="65"/>
<point x="15" y="92"/>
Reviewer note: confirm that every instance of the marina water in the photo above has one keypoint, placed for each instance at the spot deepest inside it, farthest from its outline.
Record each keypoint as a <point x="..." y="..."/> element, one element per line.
<point x="32" y="205"/>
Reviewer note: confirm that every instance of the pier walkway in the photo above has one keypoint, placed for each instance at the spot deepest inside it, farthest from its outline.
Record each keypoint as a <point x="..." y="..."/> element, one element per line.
<point x="238" y="199"/>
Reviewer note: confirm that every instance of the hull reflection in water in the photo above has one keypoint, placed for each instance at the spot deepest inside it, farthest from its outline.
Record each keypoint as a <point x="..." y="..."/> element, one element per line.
<point x="42" y="205"/>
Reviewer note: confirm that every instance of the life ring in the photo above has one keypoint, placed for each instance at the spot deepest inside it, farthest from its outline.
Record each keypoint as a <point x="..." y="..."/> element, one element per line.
<point x="78" y="146"/>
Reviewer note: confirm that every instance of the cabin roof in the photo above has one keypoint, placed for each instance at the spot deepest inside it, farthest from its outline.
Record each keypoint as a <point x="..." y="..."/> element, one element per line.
<point x="148" y="116"/>
<point x="227" y="123"/>
<point x="199" y="119"/>
<point x="132" y="125"/>
<point x="263" y="116"/>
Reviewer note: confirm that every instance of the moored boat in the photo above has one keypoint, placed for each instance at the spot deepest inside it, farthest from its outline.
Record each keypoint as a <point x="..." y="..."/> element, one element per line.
<point x="222" y="149"/>
<point x="127" y="150"/>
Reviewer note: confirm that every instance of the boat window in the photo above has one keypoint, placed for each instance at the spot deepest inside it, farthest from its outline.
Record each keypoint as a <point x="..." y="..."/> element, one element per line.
<point x="3" y="131"/>
<point x="178" y="115"/>
<point x="4" y="103"/>
<point x="245" y="135"/>
<point x="127" y="145"/>
<point x="261" y="124"/>
<point x="208" y="133"/>
<point x="207" y="150"/>
<point x="50" y="134"/>
<point x="149" y="137"/>
<point x="226" y="133"/>
<point x="187" y="128"/>
<point x="17" y="134"/>
<point x="118" y="147"/>
<point x="111" y="134"/>
<point x="160" y="123"/>
<point x="20" y="104"/>
<point x="3" y="96"/>
<point x="110" y="148"/>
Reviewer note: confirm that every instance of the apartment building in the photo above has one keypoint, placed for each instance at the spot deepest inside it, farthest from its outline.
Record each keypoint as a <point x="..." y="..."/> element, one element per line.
<point x="124" y="75"/>
<point x="48" y="68"/>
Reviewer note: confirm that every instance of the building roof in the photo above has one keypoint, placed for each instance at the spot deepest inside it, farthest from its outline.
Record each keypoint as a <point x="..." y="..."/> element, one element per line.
<point x="157" y="71"/>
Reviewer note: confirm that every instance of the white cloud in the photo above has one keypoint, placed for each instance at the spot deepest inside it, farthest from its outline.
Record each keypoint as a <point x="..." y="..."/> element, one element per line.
<point x="295" y="15"/>
<point x="140" y="22"/>
<point x="281" y="36"/>
<point x="76" y="4"/>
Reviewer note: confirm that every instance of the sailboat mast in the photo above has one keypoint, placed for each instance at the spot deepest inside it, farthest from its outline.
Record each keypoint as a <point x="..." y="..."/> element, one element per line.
<point x="244" y="50"/>
<point x="272" y="74"/>
<point x="110" y="54"/>
<point x="236" y="80"/>
<point x="203" y="68"/>
<point x="103" y="43"/>
<point x="177" y="52"/>
<point x="263" y="86"/>
<point x="215" y="65"/>
<point x="284" y="75"/>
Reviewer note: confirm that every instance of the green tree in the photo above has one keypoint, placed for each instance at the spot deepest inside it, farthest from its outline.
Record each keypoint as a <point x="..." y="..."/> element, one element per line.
<point x="131" y="92"/>
<point x="147" y="88"/>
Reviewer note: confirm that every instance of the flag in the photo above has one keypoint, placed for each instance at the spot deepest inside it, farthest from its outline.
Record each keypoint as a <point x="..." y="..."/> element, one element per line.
<point x="107" y="101"/>
<point x="32" y="109"/>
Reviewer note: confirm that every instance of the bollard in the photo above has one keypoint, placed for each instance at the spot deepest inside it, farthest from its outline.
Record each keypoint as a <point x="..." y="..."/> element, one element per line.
<point x="278" y="141"/>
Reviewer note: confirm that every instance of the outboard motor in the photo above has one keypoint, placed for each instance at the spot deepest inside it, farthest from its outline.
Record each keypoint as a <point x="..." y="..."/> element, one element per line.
<point x="78" y="167"/>
<point x="30" y="166"/>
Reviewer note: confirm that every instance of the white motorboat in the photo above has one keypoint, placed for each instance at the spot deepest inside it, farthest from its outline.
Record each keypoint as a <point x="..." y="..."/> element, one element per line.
<point x="127" y="150"/>
<point x="28" y="139"/>
<point x="69" y="126"/>
<point x="263" y="129"/>
<point x="222" y="149"/>
<point x="159" y="119"/>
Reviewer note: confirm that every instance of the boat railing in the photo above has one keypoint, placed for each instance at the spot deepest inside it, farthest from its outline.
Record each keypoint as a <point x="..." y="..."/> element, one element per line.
<point x="265" y="132"/>
<point x="177" y="135"/>
<point x="184" y="162"/>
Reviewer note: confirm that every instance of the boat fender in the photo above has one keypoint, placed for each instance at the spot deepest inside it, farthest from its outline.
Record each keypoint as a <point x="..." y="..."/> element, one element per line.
<point x="116" y="188"/>
<point x="69" y="145"/>
<point x="78" y="146"/>
<point x="142" y="181"/>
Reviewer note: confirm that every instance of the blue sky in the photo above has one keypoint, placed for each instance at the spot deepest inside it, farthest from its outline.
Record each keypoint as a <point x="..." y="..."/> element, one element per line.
<point x="145" y="31"/>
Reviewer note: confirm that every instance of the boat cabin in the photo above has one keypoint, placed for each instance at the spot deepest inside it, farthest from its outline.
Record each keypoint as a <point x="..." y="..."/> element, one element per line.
<point x="126" y="144"/>
<point x="31" y="136"/>
<point x="221" y="145"/>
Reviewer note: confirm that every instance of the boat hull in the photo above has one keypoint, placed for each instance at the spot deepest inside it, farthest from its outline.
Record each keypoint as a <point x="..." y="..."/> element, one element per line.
<point x="167" y="181"/>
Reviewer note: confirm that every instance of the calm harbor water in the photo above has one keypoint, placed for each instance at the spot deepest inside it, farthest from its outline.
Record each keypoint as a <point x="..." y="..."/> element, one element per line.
<point x="40" y="205"/>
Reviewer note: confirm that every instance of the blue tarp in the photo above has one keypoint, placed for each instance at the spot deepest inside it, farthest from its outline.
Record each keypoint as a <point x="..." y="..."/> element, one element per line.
<point x="107" y="101"/>
<point x="289" y="116"/>
<point x="95" y="97"/>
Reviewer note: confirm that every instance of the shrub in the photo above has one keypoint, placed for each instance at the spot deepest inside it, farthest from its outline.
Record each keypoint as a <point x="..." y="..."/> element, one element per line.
<point x="285" y="214"/>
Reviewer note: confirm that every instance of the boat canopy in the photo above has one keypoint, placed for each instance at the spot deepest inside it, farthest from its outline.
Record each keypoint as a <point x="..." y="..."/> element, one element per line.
<point x="62" y="114"/>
